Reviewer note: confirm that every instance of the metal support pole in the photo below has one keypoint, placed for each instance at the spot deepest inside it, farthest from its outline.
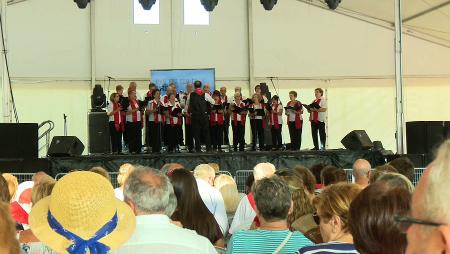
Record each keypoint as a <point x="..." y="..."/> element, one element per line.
<point x="400" y="117"/>
<point x="93" y="46"/>
<point x="6" y="96"/>
<point x="251" y="60"/>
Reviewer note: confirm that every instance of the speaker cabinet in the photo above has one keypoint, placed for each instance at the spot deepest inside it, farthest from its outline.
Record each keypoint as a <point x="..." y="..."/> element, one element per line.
<point x="19" y="141"/>
<point x="357" y="140"/>
<point x="99" y="140"/>
<point x="65" y="146"/>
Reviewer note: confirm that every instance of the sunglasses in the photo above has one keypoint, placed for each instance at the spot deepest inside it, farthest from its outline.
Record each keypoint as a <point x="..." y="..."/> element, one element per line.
<point x="316" y="218"/>
<point x="406" y="222"/>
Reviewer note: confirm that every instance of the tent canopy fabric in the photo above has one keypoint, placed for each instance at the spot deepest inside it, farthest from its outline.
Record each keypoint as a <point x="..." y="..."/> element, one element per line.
<point x="426" y="19"/>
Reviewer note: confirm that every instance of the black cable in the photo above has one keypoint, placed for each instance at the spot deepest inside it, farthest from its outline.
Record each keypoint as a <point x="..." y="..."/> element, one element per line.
<point x="7" y="70"/>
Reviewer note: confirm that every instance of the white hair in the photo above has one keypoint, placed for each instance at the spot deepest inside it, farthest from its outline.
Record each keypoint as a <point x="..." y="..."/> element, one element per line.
<point x="436" y="205"/>
<point x="263" y="170"/>
<point x="204" y="171"/>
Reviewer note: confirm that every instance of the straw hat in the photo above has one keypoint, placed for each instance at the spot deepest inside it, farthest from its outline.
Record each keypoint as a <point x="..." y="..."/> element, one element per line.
<point x="82" y="203"/>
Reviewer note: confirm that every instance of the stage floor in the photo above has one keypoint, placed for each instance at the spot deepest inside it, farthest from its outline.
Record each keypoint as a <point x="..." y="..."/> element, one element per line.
<point x="229" y="161"/>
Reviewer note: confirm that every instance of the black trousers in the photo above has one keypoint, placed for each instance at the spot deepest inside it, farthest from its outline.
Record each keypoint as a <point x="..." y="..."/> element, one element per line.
<point x="189" y="136"/>
<point x="180" y="134"/>
<point x="173" y="132"/>
<point x="238" y="136"/>
<point x="200" y="127"/>
<point x="217" y="136"/>
<point x="277" y="140"/>
<point x="148" y="132"/>
<point x="125" y="134"/>
<point x="134" y="133"/>
<point x="156" y="138"/>
<point x="318" y="127"/>
<point x="296" y="136"/>
<point x="116" y="138"/>
<point x="226" y="130"/>
<point x="257" y="133"/>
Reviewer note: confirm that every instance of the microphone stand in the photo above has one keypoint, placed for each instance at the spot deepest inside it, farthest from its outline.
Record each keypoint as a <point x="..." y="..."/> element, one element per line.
<point x="65" y="124"/>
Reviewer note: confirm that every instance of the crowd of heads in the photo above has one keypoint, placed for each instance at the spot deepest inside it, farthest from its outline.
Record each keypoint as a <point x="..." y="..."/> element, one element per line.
<point x="380" y="212"/>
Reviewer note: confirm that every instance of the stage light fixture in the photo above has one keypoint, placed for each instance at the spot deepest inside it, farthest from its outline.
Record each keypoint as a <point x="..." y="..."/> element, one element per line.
<point x="333" y="4"/>
<point x="147" y="4"/>
<point x="98" y="99"/>
<point x="269" y="4"/>
<point x="209" y="4"/>
<point x="82" y="3"/>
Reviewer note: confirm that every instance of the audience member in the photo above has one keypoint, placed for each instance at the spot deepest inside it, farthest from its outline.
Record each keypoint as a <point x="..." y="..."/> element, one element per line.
<point x="191" y="211"/>
<point x="101" y="171"/>
<point x="204" y="176"/>
<point x="124" y="171"/>
<point x="215" y="166"/>
<point x="404" y="166"/>
<point x="361" y="171"/>
<point x="396" y="180"/>
<point x="317" y="172"/>
<point x="168" y="168"/>
<point x="12" y="184"/>
<point x="5" y="196"/>
<point x="309" y="181"/>
<point x="428" y="229"/>
<point x="371" y="220"/>
<point x="8" y="241"/>
<point x="151" y="196"/>
<point x="249" y="183"/>
<point x="273" y="203"/>
<point x="379" y="171"/>
<point x="41" y="175"/>
<point x="82" y="214"/>
<point x="228" y="188"/>
<point x="332" y="206"/>
<point x="245" y="213"/>
<point x="331" y="175"/>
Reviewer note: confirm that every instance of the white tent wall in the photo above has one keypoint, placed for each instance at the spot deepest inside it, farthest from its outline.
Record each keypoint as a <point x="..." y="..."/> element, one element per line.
<point x="304" y="46"/>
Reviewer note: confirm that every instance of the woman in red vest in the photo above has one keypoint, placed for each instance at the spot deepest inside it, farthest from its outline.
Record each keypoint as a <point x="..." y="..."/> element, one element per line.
<point x="155" y="121"/>
<point x="217" y="120"/>
<point x="238" y="115"/>
<point x="257" y="115"/>
<point x="116" y="123"/>
<point x="134" y="124"/>
<point x="174" y="122"/>
<point x="317" y="118"/>
<point x="276" y="122"/>
<point x="294" y="113"/>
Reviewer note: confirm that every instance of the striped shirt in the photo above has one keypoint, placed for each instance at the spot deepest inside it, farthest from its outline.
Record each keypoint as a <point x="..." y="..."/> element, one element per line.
<point x="329" y="248"/>
<point x="266" y="241"/>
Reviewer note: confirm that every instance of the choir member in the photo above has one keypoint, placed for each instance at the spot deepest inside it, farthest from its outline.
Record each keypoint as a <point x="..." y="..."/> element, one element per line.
<point x="217" y="119"/>
<point x="238" y="117"/>
<point x="226" y="126"/>
<point x="155" y="121"/>
<point x="174" y="122"/>
<point x="116" y="123"/>
<point x="256" y="115"/>
<point x="294" y="113"/>
<point x="276" y="123"/>
<point x="317" y="118"/>
<point x="188" y="118"/>
<point x="134" y="124"/>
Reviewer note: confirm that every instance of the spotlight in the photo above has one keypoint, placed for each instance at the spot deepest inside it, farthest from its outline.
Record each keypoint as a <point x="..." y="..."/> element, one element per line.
<point x="82" y="3"/>
<point x="98" y="99"/>
<point x="268" y="4"/>
<point x="333" y="4"/>
<point x="147" y="4"/>
<point x="209" y="4"/>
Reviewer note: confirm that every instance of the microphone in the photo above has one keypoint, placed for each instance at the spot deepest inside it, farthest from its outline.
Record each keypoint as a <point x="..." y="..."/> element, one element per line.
<point x="109" y="77"/>
<point x="271" y="77"/>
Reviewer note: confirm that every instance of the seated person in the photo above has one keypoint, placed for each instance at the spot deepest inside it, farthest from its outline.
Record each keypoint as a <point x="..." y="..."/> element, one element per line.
<point x="273" y="203"/>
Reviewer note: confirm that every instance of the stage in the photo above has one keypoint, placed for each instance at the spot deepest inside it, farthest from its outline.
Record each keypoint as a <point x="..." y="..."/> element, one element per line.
<point x="227" y="161"/>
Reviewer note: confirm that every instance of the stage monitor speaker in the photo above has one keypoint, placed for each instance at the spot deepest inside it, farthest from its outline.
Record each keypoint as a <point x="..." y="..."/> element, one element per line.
<point x="65" y="146"/>
<point x="99" y="139"/>
<point x="357" y="140"/>
<point x="19" y="141"/>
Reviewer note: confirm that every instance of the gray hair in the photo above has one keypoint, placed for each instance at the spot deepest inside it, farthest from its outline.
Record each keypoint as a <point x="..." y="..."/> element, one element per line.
<point x="263" y="170"/>
<point x="150" y="191"/>
<point x="361" y="168"/>
<point x="396" y="180"/>
<point x="272" y="198"/>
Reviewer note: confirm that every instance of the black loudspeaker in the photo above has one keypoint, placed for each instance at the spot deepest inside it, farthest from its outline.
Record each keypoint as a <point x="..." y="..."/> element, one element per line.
<point x="19" y="140"/>
<point x="65" y="146"/>
<point x="425" y="137"/>
<point x="357" y="140"/>
<point x="99" y="139"/>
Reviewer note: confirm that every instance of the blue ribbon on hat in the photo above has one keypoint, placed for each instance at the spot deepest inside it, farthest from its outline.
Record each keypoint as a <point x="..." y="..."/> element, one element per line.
<point x="80" y="246"/>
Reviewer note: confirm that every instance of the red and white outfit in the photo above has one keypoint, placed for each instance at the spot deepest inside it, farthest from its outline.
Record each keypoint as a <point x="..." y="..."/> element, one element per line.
<point x="173" y="120"/>
<point x="174" y="126"/>
<point x="134" y="127"/>
<point x="216" y="118"/>
<point x="135" y="116"/>
<point x="238" y="126"/>
<point x="295" y="124"/>
<point x="156" y="123"/>
<point x="238" y="118"/>
<point x="317" y="120"/>
<point x="275" y="118"/>
<point x="155" y="116"/>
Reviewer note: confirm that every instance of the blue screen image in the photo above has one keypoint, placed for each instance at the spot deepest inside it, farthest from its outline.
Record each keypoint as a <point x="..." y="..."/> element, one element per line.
<point x="162" y="78"/>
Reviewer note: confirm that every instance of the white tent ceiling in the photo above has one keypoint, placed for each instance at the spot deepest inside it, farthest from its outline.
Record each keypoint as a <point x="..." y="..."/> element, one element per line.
<point x="426" y="19"/>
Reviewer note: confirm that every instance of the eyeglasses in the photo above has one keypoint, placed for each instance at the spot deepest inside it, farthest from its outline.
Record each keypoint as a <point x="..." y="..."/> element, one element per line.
<point x="406" y="222"/>
<point x="316" y="218"/>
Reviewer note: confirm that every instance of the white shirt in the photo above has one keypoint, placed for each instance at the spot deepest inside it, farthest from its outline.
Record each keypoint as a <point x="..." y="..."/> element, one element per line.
<point x="110" y="110"/>
<point x="322" y="115"/>
<point x="155" y="234"/>
<point x="276" y="110"/>
<point x="118" y="192"/>
<point x="244" y="216"/>
<point x="130" y="116"/>
<point x="292" y="113"/>
<point x="214" y="201"/>
<point x="151" y="116"/>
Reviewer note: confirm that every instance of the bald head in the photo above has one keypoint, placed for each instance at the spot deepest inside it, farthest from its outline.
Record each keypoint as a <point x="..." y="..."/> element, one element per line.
<point x="263" y="170"/>
<point x="361" y="169"/>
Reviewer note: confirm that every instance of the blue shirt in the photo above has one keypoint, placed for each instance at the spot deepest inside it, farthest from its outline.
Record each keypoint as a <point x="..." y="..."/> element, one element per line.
<point x="266" y="241"/>
<point x="329" y="248"/>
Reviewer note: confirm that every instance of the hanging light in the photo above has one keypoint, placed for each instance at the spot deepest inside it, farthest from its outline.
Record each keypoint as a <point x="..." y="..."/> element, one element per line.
<point x="268" y="4"/>
<point x="209" y="4"/>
